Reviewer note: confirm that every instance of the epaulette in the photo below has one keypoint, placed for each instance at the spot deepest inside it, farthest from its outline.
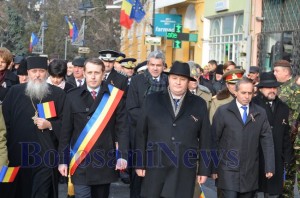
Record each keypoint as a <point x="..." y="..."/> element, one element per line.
<point x="122" y="73"/>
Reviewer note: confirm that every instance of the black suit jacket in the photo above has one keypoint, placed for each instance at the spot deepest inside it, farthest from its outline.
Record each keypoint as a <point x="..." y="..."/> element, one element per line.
<point x="98" y="167"/>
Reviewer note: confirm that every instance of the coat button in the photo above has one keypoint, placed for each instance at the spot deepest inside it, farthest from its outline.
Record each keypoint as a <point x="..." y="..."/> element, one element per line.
<point x="173" y="138"/>
<point x="87" y="109"/>
<point x="174" y="125"/>
<point x="88" y="117"/>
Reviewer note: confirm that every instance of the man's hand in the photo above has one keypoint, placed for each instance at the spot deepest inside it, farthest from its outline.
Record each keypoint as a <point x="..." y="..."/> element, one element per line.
<point x="121" y="164"/>
<point x="140" y="172"/>
<point x="201" y="179"/>
<point x="42" y="123"/>
<point x="214" y="176"/>
<point x="269" y="175"/>
<point x="63" y="169"/>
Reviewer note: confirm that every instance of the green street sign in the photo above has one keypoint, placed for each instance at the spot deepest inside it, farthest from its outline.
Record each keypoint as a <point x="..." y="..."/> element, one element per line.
<point x="182" y="36"/>
<point x="172" y="35"/>
<point x="178" y="28"/>
<point x="176" y="44"/>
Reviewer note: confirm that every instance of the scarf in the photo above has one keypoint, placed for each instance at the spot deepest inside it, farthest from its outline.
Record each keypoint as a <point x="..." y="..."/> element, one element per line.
<point x="61" y="85"/>
<point x="156" y="86"/>
<point x="2" y="76"/>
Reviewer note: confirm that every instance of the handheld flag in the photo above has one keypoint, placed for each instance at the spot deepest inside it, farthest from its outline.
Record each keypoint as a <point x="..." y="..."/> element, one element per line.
<point x="202" y="195"/>
<point x="137" y="12"/>
<point x="46" y="110"/>
<point x="125" y="19"/>
<point x="33" y="41"/>
<point x="71" y="30"/>
<point x="8" y="174"/>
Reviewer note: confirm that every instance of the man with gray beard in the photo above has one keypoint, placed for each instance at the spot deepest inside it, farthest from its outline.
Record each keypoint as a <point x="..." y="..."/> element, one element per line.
<point x="32" y="113"/>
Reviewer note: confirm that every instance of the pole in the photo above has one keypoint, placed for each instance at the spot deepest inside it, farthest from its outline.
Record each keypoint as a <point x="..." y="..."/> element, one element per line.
<point x="153" y="23"/>
<point x="66" y="47"/>
<point x="42" y="38"/>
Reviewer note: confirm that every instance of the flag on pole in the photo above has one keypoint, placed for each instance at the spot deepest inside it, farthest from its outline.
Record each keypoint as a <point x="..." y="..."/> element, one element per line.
<point x="75" y="32"/>
<point x="80" y="36"/>
<point x="33" y="41"/>
<point x="137" y="12"/>
<point x="71" y="30"/>
<point x="125" y="19"/>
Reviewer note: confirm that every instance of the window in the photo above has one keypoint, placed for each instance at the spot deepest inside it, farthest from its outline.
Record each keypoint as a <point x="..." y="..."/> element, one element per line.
<point x="225" y="34"/>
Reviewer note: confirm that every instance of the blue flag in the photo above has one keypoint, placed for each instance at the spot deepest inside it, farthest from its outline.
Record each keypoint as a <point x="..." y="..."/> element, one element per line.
<point x="137" y="12"/>
<point x="75" y="32"/>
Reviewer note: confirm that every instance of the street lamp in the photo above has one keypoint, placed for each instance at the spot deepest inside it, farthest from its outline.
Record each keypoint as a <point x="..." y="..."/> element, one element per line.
<point x="85" y="5"/>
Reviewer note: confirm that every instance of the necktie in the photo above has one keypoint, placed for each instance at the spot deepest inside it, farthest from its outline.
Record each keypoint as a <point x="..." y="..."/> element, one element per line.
<point x="79" y="81"/>
<point x="94" y="94"/>
<point x="105" y="77"/>
<point x="155" y="80"/>
<point x="176" y="103"/>
<point x="244" y="114"/>
<point x="193" y="92"/>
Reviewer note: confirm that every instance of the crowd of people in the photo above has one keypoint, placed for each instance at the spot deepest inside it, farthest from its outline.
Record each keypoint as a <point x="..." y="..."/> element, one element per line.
<point x="90" y="121"/>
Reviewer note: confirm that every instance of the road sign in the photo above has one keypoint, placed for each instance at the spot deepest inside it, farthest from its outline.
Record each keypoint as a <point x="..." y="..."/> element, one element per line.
<point x="176" y="44"/>
<point x="83" y="50"/>
<point x="153" y="40"/>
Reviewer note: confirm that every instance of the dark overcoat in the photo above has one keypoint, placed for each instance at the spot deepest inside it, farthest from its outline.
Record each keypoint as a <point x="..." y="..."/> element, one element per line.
<point x="278" y="119"/>
<point x="10" y="79"/>
<point x="99" y="166"/>
<point x="32" y="149"/>
<point x="238" y="144"/>
<point x="169" y="145"/>
<point x="118" y="80"/>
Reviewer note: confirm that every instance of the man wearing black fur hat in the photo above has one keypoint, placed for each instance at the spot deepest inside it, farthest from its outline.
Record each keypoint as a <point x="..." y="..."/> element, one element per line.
<point x="32" y="113"/>
<point x="173" y="121"/>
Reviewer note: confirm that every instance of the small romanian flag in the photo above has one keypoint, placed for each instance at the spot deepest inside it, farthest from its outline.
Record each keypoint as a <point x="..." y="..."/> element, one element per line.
<point x="8" y="174"/>
<point x="46" y="110"/>
<point x="202" y="192"/>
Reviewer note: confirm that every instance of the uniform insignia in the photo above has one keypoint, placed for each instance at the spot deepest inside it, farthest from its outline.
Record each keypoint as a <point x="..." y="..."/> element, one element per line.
<point x="195" y="119"/>
<point x="234" y="76"/>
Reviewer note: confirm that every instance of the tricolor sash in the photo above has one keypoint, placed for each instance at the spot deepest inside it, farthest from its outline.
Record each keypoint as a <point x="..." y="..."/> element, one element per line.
<point x="95" y="126"/>
<point x="8" y="174"/>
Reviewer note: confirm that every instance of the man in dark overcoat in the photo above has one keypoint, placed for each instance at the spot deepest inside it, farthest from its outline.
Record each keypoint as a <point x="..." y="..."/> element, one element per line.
<point x="32" y="140"/>
<point x="174" y="126"/>
<point x="278" y="113"/>
<point x="94" y="174"/>
<point x="238" y="128"/>
<point x="141" y="85"/>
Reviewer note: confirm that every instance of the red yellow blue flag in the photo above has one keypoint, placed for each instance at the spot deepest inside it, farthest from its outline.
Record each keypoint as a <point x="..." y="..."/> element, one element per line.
<point x="46" y="110"/>
<point x="71" y="28"/>
<point x="202" y="195"/>
<point x="126" y="9"/>
<point x="95" y="126"/>
<point x="8" y="174"/>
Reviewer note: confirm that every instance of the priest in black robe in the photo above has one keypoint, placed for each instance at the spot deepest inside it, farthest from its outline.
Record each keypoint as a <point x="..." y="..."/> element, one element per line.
<point x="32" y="141"/>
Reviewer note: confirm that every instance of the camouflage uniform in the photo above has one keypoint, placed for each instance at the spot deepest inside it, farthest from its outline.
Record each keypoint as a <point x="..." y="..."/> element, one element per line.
<point x="289" y="93"/>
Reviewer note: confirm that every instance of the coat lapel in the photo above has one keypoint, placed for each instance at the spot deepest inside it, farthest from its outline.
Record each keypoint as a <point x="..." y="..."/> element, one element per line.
<point x="167" y="102"/>
<point x="184" y="106"/>
<point x="234" y="108"/>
